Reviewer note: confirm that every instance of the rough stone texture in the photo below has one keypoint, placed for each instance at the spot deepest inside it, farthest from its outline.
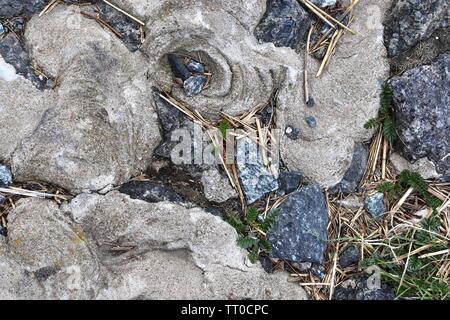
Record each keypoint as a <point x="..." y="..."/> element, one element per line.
<point x="5" y="176"/>
<point x="422" y="111"/>
<point x="285" y="24"/>
<point x="361" y="288"/>
<point x="300" y="233"/>
<point x="374" y="204"/>
<point x="412" y="21"/>
<point x="100" y="131"/>
<point x="425" y="167"/>
<point x="119" y="248"/>
<point x="150" y="191"/>
<point x="343" y="104"/>
<point x="220" y="34"/>
<point x="13" y="8"/>
<point x="289" y="181"/>
<point x="355" y="173"/>
<point x="256" y="180"/>
<point x="216" y="186"/>
<point x="350" y="256"/>
<point x="21" y="109"/>
<point x="41" y="238"/>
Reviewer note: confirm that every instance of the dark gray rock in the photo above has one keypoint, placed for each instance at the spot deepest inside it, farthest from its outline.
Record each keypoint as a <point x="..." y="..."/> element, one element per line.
<point x="266" y="115"/>
<point x="2" y="199"/>
<point x="289" y="180"/>
<point x="14" y="8"/>
<point x="374" y="204"/>
<point x="14" y="53"/>
<point x="360" y="288"/>
<point x="311" y="121"/>
<point x="300" y="233"/>
<point x="17" y="24"/>
<point x="350" y="256"/>
<point x="355" y="173"/>
<point x="3" y="232"/>
<point x="285" y="24"/>
<point x="128" y="28"/>
<point x="194" y="85"/>
<point x="422" y="112"/>
<point x="412" y="21"/>
<point x="5" y="176"/>
<point x="150" y="191"/>
<point x="170" y="117"/>
<point x="255" y="178"/>
<point x="178" y="68"/>
<point x="195" y="66"/>
<point x="310" y="103"/>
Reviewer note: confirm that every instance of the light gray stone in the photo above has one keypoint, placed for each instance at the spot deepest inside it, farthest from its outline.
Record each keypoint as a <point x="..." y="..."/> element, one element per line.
<point x="119" y="248"/>
<point x="423" y="166"/>
<point x="100" y="130"/>
<point x="216" y="186"/>
<point x="343" y="104"/>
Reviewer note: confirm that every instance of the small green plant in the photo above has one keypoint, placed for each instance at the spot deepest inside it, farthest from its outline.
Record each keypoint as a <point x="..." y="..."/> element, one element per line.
<point x="224" y="126"/>
<point x="251" y="229"/>
<point x="414" y="275"/>
<point x="385" y="117"/>
<point x="408" y="179"/>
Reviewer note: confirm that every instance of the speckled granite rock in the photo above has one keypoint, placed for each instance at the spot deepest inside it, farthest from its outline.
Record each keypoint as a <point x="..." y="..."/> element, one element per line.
<point x="422" y="112"/>
<point x="5" y="176"/>
<point x="412" y="21"/>
<point x="374" y="204"/>
<point x="256" y="180"/>
<point x="300" y="233"/>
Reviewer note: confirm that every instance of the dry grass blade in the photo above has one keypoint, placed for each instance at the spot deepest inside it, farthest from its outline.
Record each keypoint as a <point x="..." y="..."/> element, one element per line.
<point x="49" y="7"/>
<point x="31" y="193"/>
<point x="124" y="12"/>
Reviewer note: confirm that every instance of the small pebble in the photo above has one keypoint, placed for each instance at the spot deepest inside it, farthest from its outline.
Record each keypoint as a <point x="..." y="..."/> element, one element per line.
<point x="292" y="133"/>
<point x="194" y="85"/>
<point x="50" y="83"/>
<point x="311" y="121"/>
<point x="311" y="103"/>
<point x="349" y="257"/>
<point x="374" y="205"/>
<point x="5" y="176"/>
<point x="3" y="231"/>
<point x="2" y="29"/>
<point x="2" y="199"/>
<point x="195" y="66"/>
